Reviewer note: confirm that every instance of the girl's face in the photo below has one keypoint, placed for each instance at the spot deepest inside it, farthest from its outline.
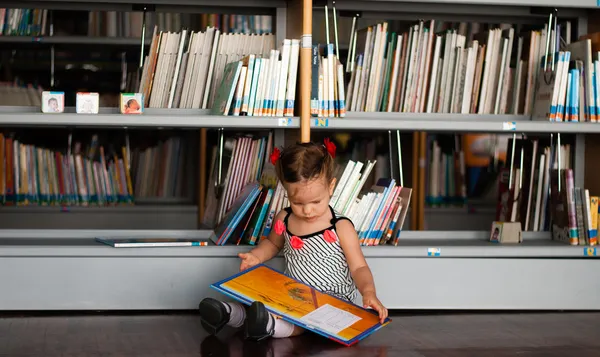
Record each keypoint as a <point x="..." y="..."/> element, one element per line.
<point x="309" y="199"/>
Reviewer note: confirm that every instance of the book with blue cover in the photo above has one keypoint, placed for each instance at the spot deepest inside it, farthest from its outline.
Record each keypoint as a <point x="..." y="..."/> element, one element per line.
<point x="151" y="242"/>
<point x="236" y="213"/>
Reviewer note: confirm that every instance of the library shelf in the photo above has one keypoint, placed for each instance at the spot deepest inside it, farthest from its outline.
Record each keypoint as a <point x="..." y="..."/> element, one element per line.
<point x="93" y="209"/>
<point x="72" y="40"/>
<point x="448" y="122"/>
<point x="151" y="118"/>
<point x="469" y="273"/>
<point x="372" y="121"/>
<point x="491" y="4"/>
<point x="255" y="7"/>
<point x="412" y="244"/>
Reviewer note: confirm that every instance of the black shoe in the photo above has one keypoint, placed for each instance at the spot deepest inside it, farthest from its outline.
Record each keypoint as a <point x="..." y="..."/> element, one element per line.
<point x="257" y="322"/>
<point x="214" y="315"/>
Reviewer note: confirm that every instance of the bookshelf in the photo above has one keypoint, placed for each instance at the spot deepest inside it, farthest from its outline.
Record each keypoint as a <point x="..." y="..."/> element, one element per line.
<point x="469" y="273"/>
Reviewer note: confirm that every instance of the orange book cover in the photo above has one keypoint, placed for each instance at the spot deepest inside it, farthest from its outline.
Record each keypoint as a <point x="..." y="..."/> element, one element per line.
<point x="302" y="305"/>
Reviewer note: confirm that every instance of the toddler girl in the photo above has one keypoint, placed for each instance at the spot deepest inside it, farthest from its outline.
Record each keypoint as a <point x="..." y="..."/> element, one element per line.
<point x="320" y="247"/>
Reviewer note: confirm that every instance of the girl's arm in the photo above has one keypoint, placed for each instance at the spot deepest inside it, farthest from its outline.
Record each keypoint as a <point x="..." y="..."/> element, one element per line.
<point x="358" y="267"/>
<point x="266" y="249"/>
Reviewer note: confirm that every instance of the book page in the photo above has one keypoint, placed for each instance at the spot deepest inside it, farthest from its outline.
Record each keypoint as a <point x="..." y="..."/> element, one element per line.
<point x="330" y="319"/>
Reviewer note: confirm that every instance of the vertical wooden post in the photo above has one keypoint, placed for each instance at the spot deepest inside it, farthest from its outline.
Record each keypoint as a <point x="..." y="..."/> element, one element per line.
<point x="305" y="71"/>
<point x="202" y="178"/>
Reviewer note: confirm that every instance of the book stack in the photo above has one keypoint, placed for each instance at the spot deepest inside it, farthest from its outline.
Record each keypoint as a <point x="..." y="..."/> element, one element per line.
<point x="447" y="68"/>
<point x="184" y="69"/>
<point x="260" y="86"/>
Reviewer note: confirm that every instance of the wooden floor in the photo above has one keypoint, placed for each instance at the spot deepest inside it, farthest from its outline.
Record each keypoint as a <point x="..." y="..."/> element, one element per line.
<point x="412" y="335"/>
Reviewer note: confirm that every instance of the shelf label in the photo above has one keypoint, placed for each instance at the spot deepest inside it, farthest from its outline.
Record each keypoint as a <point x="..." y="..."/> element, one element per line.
<point x="306" y="41"/>
<point x="589" y="252"/>
<point x="434" y="252"/>
<point x="322" y="122"/>
<point x="285" y="121"/>
<point x="511" y="125"/>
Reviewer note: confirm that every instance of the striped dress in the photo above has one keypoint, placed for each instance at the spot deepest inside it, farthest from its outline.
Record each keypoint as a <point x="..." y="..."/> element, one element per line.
<point x="319" y="263"/>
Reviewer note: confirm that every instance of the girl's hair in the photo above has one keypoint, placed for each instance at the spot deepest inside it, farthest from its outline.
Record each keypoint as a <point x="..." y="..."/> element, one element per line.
<point x="304" y="161"/>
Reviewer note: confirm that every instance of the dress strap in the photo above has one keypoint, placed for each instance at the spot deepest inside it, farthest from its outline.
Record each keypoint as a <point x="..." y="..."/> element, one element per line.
<point x="338" y="217"/>
<point x="288" y="211"/>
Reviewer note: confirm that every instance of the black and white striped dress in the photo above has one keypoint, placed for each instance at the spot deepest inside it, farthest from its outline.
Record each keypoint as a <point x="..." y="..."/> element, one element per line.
<point x="319" y="263"/>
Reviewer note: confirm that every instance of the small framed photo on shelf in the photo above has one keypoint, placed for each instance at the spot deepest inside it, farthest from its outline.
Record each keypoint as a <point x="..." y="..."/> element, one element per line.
<point x="132" y="103"/>
<point x="53" y="102"/>
<point x="87" y="103"/>
<point x="506" y="232"/>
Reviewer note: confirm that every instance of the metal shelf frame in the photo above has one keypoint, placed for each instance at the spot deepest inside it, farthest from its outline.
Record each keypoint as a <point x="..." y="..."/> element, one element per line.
<point x="72" y="40"/>
<point x="255" y="7"/>
<point x="354" y="121"/>
<point x="77" y="273"/>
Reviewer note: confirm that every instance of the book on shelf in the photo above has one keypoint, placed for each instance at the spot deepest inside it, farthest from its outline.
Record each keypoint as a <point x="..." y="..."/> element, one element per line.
<point x="129" y="24"/>
<point x="574" y="210"/>
<point x="151" y="242"/>
<point x="440" y="67"/>
<point x="23" y="22"/>
<point x="243" y="210"/>
<point x="95" y="175"/>
<point x="260" y="85"/>
<point x="568" y="83"/>
<point x="185" y="69"/>
<point x="526" y="196"/>
<point x="19" y="94"/>
<point x="328" y="97"/>
<point x="447" y="181"/>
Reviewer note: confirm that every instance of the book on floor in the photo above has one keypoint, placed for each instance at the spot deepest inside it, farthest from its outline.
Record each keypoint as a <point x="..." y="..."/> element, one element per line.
<point x="302" y="305"/>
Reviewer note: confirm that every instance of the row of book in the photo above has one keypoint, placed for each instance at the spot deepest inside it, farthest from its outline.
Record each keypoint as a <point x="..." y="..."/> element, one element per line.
<point x="459" y="70"/>
<point x="525" y="196"/>
<point x="258" y="86"/>
<point x="446" y="172"/>
<point x="243" y="160"/>
<point x="23" y="22"/>
<point x="569" y="85"/>
<point x="378" y="215"/>
<point x="129" y="24"/>
<point x="31" y="175"/>
<point x="328" y="97"/>
<point x="95" y="174"/>
<point x="575" y="214"/>
<point x="165" y="170"/>
<point x="184" y="69"/>
<point x="17" y="94"/>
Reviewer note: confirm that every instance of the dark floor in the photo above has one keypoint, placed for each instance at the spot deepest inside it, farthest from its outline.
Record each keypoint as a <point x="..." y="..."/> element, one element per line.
<point x="412" y="335"/>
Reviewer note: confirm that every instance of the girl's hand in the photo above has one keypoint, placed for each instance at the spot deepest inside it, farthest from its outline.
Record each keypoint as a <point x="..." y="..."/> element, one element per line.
<point x="371" y="300"/>
<point x="248" y="260"/>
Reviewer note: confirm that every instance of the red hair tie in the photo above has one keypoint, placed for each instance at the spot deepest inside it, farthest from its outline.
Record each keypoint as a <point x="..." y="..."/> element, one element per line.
<point x="275" y="155"/>
<point x="330" y="146"/>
